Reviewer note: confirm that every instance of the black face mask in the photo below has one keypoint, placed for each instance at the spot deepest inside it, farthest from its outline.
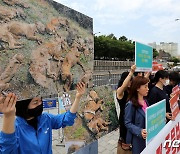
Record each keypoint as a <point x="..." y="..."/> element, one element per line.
<point x="37" y="111"/>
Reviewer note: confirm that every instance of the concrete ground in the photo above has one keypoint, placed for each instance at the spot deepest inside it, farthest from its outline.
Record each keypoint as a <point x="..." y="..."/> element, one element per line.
<point x="106" y="144"/>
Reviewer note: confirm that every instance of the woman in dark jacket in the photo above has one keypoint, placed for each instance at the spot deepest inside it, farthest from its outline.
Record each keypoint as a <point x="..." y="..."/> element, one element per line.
<point x="135" y="114"/>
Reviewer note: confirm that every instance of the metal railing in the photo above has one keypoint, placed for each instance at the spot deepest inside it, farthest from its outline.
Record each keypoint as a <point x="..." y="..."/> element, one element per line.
<point x="109" y="72"/>
<point x="102" y="65"/>
<point x="107" y="79"/>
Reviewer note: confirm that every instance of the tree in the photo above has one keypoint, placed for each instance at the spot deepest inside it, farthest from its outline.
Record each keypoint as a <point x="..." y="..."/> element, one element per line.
<point x="175" y="60"/>
<point x="111" y="36"/>
<point x="108" y="48"/>
<point x="155" y="53"/>
<point x="123" y="39"/>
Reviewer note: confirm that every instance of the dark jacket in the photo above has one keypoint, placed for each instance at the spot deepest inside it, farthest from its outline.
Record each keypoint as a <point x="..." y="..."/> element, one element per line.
<point x="135" y="121"/>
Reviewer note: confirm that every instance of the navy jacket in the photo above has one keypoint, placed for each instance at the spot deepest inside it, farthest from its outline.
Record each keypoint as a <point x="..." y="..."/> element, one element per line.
<point x="134" y="120"/>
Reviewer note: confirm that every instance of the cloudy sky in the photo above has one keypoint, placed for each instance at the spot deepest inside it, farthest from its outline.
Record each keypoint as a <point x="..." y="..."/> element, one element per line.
<point x="145" y="21"/>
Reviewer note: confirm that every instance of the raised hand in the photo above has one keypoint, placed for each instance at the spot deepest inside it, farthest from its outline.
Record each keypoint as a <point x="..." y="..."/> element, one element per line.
<point x="81" y="88"/>
<point x="133" y="68"/>
<point x="7" y="104"/>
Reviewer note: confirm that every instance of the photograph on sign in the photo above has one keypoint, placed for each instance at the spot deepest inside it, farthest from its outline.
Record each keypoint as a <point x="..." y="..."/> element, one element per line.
<point x="44" y="51"/>
<point x="96" y="116"/>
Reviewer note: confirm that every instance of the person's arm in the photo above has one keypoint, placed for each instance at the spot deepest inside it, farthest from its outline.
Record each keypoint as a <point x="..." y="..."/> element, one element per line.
<point x="8" y="139"/>
<point x="147" y="74"/>
<point x="81" y="88"/>
<point x="120" y="90"/>
<point x="7" y="107"/>
<point x="67" y="118"/>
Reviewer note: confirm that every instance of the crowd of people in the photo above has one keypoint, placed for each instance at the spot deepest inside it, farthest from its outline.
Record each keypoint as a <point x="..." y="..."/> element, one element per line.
<point x="136" y="91"/>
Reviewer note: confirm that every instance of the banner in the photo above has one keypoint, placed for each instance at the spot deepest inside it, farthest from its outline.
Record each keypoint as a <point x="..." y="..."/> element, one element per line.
<point x="49" y="103"/>
<point x="167" y="140"/>
<point x="156" y="67"/>
<point x="155" y="119"/>
<point x="176" y="90"/>
<point x="143" y="57"/>
<point x="174" y="105"/>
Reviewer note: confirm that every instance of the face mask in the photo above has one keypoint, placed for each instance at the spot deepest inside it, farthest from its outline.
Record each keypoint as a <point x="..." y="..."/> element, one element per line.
<point x="166" y="82"/>
<point x="37" y="111"/>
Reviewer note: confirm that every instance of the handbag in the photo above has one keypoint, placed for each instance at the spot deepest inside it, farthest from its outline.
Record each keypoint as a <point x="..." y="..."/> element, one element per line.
<point x="123" y="148"/>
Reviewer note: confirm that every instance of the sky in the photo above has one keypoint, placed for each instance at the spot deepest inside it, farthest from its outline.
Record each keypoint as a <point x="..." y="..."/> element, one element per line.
<point x="145" y="21"/>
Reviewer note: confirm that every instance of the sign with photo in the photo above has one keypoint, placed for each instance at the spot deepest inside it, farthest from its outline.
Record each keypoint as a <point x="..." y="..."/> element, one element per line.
<point x="96" y="116"/>
<point x="39" y="38"/>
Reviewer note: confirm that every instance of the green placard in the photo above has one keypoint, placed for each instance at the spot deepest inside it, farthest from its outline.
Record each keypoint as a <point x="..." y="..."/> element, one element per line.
<point x="143" y="57"/>
<point x="155" y="119"/>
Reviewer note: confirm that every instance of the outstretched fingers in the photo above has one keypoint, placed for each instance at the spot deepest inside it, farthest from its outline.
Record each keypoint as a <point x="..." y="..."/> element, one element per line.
<point x="81" y="87"/>
<point x="8" y="105"/>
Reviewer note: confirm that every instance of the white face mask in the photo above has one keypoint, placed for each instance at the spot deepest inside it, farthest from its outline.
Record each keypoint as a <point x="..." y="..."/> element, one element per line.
<point x="166" y="82"/>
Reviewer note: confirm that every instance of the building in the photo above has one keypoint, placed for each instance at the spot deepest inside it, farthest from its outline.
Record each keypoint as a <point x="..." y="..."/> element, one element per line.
<point x="169" y="47"/>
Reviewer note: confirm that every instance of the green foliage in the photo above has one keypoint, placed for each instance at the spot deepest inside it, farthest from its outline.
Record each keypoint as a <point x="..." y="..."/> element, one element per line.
<point x="109" y="47"/>
<point x="175" y="60"/>
<point x="155" y="53"/>
<point x="113" y="117"/>
<point x="112" y="114"/>
<point x="123" y="39"/>
<point x="79" y="131"/>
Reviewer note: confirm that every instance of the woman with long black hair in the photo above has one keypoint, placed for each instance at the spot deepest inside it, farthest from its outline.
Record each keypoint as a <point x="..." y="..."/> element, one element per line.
<point x="122" y="98"/>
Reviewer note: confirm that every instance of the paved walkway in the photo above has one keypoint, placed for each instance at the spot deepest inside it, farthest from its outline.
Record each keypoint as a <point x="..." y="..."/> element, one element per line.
<point x="106" y="144"/>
